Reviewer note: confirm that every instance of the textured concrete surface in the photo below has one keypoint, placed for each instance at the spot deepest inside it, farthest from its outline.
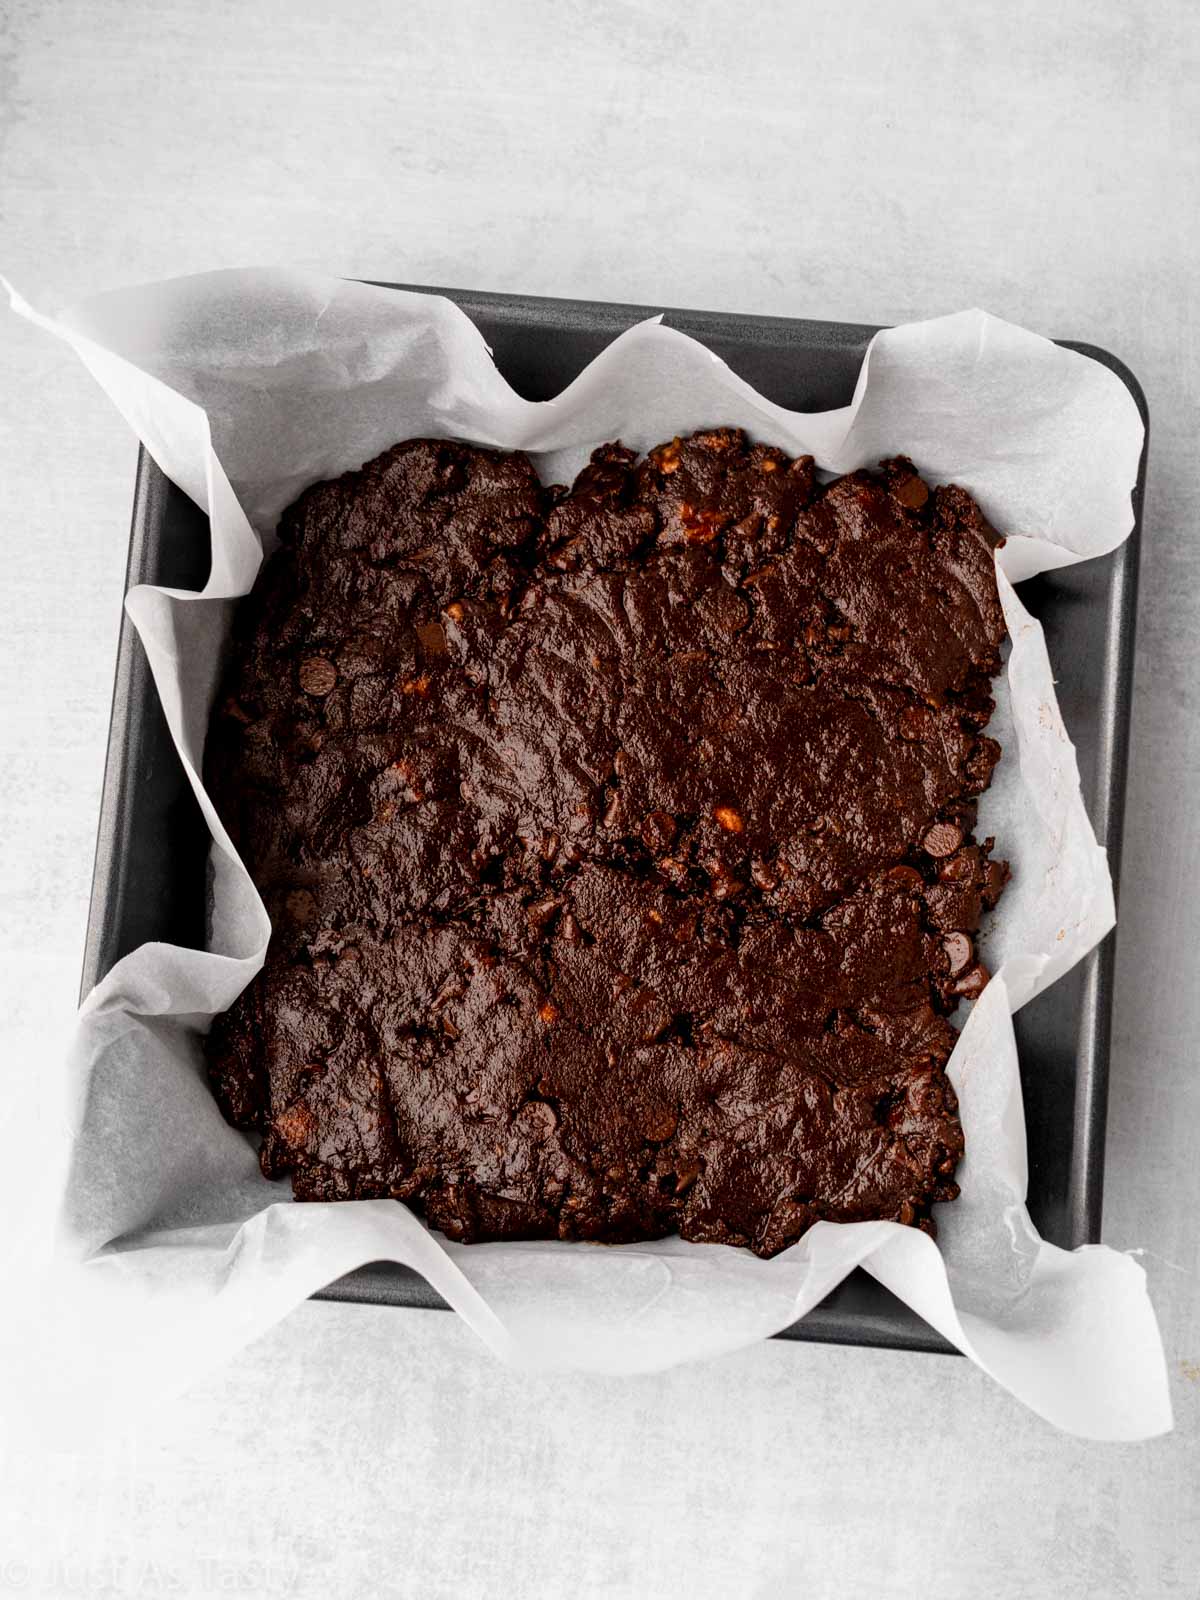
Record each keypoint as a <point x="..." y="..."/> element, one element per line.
<point x="862" y="161"/>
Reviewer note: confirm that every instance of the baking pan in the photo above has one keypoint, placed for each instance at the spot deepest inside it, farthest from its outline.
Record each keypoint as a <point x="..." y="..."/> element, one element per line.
<point x="149" y="880"/>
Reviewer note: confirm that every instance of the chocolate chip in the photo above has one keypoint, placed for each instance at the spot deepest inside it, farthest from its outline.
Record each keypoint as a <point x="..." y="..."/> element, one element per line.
<point x="943" y="839"/>
<point x="432" y="637"/>
<point x="906" y="878"/>
<point x="301" y="906"/>
<point x="763" y="874"/>
<point x="686" y="1173"/>
<point x="659" y="1124"/>
<point x="318" y="676"/>
<point x="973" y="982"/>
<point x="658" y="831"/>
<point x="959" y="868"/>
<point x="960" y="950"/>
<point x="540" y="1117"/>
<point x="911" y="492"/>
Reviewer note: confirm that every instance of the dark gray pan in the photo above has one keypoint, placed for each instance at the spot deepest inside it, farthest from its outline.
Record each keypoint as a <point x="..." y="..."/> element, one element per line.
<point x="150" y="853"/>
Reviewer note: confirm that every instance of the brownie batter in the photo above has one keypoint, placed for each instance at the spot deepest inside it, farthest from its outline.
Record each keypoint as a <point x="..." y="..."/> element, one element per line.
<point x="617" y="841"/>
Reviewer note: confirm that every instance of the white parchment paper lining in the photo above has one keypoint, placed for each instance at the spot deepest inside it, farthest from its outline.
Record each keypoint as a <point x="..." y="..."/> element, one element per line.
<point x="247" y="385"/>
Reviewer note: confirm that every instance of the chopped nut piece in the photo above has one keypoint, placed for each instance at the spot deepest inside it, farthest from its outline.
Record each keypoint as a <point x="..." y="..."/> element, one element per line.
<point x="666" y="456"/>
<point x="700" y="526"/>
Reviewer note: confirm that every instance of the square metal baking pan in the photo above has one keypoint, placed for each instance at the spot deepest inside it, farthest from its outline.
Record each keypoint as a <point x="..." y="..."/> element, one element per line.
<point x="149" y="880"/>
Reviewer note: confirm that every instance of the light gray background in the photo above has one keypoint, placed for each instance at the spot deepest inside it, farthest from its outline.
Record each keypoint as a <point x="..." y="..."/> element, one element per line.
<point x="857" y="161"/>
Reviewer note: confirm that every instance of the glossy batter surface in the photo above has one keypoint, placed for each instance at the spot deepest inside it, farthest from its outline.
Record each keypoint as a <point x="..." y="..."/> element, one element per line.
<point x="617" y="841"/>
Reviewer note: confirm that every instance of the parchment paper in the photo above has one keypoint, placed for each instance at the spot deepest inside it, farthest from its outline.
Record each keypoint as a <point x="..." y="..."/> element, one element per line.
<point x="247" y="385"/>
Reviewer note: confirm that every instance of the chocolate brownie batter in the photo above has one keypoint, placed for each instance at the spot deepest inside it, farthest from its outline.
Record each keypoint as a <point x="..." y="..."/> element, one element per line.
<point x="617" y="842"/>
